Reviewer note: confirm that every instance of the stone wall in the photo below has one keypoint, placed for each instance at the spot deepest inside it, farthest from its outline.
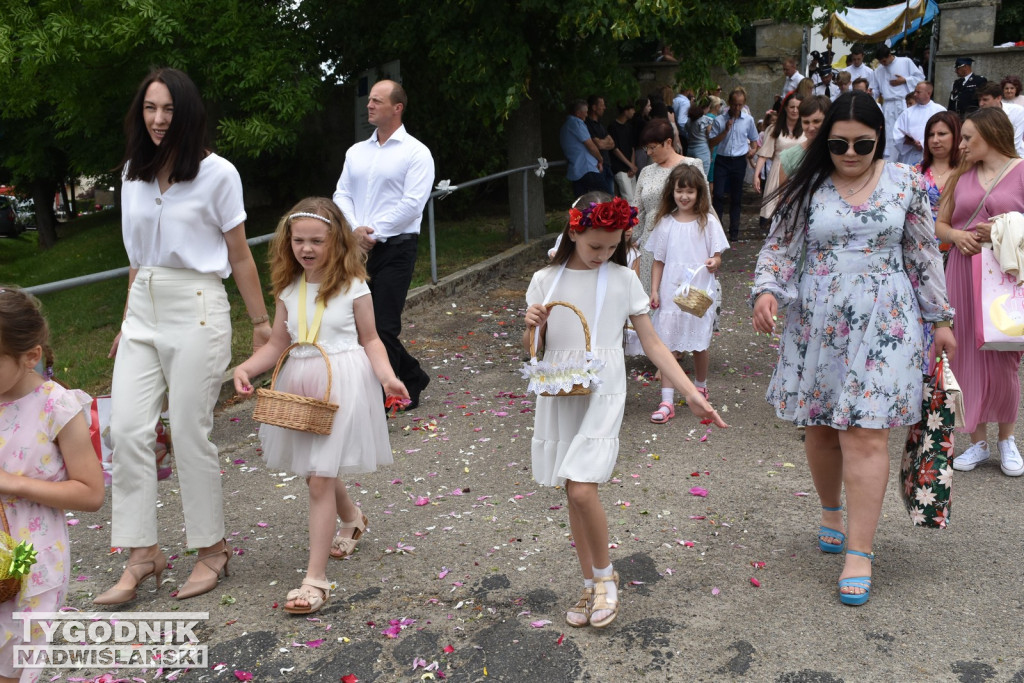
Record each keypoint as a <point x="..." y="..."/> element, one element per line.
<point x="967" y="29"/>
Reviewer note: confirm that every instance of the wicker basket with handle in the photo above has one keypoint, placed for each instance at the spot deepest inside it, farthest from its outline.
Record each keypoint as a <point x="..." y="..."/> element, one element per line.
<point x="692" y="300"/>
<point x="292" y="411"/>
<point x="578" y="389"/>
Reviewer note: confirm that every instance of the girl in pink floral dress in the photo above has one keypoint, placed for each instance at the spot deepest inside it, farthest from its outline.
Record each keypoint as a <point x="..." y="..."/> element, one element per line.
<point x="47" y="465"/>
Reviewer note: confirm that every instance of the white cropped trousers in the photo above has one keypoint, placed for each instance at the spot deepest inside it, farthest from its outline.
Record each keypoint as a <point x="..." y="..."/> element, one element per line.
<point x="175" y="339"/>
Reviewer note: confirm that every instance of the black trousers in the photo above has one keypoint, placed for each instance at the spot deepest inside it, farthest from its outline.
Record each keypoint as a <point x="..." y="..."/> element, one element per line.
<point x="390" y="265"/>
<point x="729" y="174"/>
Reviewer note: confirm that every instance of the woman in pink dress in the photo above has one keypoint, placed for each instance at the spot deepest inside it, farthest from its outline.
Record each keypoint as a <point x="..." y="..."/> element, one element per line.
<point x="989" y="379"/>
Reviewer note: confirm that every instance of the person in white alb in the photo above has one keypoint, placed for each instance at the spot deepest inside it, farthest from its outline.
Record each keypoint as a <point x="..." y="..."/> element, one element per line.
<point x="793" y="77"/>
<point x="895" y="78"/>
<point x="856" y="67"/>
<point x="991" y="95"/>
<point x="182" y="219"/>
<point x="908" y="134"/>
<point x="383" y="188"/>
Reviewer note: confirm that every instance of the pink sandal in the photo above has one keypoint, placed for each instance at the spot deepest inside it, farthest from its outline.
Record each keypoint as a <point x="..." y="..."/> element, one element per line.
<point x="665" y="412"/>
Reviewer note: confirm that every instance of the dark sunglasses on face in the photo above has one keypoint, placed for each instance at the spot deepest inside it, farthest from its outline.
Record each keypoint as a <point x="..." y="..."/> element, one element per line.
<point x="838" y="146"/>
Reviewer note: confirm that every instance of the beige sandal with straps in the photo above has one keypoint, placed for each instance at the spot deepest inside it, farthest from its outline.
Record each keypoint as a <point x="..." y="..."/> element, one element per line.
<point x="315" y="599"/>
<point x="601" y="601"/>
<point x="343" y="546"/>
<point x="581" y="610"/>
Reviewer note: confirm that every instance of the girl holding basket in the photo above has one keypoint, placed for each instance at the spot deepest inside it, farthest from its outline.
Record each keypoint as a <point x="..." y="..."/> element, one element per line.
<point x="576" y="437"/>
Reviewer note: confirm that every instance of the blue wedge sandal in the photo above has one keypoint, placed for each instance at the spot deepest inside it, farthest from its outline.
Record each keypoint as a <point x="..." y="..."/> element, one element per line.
<point x="825" y="532"/>
<point x="856" y="582"/>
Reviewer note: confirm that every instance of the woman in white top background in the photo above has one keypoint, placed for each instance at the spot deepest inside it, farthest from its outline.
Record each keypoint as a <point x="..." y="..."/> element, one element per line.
<point x="183" y="227"/>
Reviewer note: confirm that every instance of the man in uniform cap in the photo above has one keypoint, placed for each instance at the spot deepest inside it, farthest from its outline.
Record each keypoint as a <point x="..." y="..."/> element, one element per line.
<point x="963" y="98"/>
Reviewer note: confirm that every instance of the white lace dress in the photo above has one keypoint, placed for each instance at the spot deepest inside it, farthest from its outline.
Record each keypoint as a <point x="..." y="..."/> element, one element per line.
<point x="681" y="246"/>
<point x="359" y="441"/>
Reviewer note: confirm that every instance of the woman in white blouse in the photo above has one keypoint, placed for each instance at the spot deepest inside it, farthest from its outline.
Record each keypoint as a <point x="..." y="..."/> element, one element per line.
<point x="183" y="226"/>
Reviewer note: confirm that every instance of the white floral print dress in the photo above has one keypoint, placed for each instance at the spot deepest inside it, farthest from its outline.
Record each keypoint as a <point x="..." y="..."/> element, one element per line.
<point x="851" y="353"/>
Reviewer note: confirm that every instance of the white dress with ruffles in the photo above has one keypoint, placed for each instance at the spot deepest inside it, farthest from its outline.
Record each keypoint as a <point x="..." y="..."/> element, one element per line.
<point x="577" y="437"/>
<point x="358" y="441"/>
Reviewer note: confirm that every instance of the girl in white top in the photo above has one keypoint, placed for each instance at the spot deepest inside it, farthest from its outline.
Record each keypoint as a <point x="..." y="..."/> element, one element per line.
<point x="686" y="240"/>
<point x="576" y="438"/>
<point x="183" y="225"/>
<point x="319" y="276"/>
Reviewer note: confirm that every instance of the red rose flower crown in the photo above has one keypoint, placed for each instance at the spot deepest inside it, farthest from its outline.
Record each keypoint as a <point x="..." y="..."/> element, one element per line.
<point x="614" y="215"/>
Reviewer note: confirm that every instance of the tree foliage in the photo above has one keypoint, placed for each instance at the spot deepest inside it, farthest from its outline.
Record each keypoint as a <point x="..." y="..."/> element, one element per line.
<point x="68" y="69"/>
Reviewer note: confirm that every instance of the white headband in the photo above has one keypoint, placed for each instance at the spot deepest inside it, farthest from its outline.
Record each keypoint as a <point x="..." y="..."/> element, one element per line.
<point x="306" y="214"/>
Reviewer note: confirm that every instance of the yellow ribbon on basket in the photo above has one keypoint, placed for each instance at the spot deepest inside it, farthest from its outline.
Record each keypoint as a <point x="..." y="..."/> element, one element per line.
<point x="308" y="336"/>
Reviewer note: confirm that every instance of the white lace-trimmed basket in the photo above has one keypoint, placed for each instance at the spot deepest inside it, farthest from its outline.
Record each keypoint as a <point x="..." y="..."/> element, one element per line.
<point x="569" y="378"/>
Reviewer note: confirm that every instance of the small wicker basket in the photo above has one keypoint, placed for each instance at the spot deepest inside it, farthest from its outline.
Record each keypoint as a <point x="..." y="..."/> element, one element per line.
<point x="577" y="389"/>
<point x="292" y="411"/>
<point x="695" y="302"/>
<point x="9" y="587"/>
<point x="692" y="300"/>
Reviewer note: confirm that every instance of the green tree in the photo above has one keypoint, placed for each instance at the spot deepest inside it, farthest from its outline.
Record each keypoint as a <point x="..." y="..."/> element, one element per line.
<point x="68" y="70"/>
<point x="497" y="65"/>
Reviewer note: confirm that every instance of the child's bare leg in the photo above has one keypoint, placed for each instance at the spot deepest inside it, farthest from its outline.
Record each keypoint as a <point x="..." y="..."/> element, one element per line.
<point x="321" y="530"/>
<point x="701" y="363"/>
<point x="591" y="517"/>
<point x="346" y="509"/>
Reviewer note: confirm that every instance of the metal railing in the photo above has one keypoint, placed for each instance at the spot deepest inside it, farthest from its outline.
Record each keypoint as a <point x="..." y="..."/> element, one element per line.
<point x="444" y="188"/>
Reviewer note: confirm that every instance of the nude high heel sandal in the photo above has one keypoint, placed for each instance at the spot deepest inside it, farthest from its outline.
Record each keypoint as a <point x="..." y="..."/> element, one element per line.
<point x="117" y="596"/>
<point x="192" y="588"/>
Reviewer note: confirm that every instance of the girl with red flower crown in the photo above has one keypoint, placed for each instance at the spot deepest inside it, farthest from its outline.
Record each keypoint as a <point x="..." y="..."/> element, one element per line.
<point x="576" y="438"/>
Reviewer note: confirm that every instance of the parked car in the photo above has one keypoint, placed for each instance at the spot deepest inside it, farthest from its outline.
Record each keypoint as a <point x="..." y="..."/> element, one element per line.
<point x="9" y="225"/>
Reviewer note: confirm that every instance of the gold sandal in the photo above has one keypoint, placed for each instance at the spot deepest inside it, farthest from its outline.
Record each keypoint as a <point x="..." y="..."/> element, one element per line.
<point x="315" y="599"/>
<point x="601" y="601"/>
<point x="343" y="546"/>
<point x="581" y="608"/>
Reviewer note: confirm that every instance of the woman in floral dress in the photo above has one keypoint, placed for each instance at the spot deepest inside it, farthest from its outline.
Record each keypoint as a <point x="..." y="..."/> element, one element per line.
<point x="852" y="257"/>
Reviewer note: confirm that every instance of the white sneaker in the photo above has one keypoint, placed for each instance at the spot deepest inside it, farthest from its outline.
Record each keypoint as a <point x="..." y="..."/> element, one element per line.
<point x="1010" y="461"/>
<point x="972" y="457"/>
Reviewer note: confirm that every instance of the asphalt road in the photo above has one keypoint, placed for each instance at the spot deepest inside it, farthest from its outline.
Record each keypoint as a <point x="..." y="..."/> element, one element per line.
<point x="476" y="558"/>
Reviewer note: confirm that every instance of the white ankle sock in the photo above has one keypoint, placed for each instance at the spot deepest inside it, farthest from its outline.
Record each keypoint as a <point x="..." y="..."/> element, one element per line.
<point x="700" y="384"/>
<point x="588" y="583"/>
<point x="610" y="588"/>
<point x="668" y="395"/>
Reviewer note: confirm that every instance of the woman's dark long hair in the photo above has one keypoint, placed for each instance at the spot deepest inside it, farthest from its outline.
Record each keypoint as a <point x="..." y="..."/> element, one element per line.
<point x="817" y="162"/>
<point x="781" y="124"/>
<point x="182" y="148"/>
<point x="952" y="122"/>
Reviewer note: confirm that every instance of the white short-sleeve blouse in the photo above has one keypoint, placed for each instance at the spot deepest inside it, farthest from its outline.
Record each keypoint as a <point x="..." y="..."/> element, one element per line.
<point x="183" y="227"/>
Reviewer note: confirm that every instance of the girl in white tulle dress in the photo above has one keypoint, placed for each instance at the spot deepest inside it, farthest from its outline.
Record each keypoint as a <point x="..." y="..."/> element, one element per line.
<point x="576" y="438"/>
<point x="320" y="284"/>
<point x="687" y="243"/>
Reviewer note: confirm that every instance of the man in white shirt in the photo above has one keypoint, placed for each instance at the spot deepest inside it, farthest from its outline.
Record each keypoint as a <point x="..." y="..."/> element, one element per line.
<point x="384" y="186"/>
<point x="895" y="78"/>
<point x="793" y="76"/>
<point x="991" y="95"/>
<point x="735" y="134"/>
<point x="856" y="67"/>
<point x="908" y="134"/>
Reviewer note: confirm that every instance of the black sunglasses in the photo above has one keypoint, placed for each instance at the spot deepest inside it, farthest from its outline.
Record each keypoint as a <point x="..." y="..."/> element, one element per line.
<point x="838" y="146"/>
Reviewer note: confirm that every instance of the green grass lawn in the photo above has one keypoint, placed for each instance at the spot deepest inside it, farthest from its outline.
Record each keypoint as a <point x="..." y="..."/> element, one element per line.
<point x="83" y="321"/>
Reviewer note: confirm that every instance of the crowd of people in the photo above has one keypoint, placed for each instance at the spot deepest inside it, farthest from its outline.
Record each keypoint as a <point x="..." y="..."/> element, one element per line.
<point x="868" y="188"/>
<point x="864" y="180"/>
